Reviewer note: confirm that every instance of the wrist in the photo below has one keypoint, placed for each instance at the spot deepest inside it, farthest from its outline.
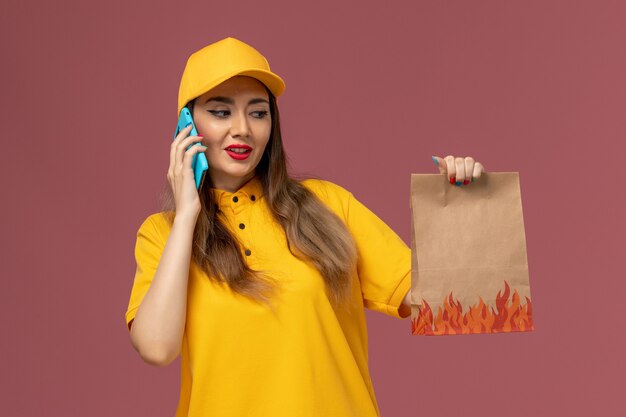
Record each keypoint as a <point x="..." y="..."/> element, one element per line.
<point x="186" y="218"/>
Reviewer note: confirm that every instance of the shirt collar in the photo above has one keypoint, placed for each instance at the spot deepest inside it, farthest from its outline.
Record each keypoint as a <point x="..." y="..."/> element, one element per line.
<point x="249" y="192"/>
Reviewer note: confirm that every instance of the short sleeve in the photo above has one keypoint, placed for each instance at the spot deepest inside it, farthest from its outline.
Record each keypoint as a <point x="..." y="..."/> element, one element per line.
<point x="384" y="262"/>
<point x="148" y="250"/>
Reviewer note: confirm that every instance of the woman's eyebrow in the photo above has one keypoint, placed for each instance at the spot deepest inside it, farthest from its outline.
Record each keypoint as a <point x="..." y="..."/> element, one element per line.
<point x="258" y="100"/>
<point x="229" y="100"/>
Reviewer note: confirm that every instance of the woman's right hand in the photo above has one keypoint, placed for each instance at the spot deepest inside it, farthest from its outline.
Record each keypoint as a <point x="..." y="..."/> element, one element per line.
<point x="180" y="175"/>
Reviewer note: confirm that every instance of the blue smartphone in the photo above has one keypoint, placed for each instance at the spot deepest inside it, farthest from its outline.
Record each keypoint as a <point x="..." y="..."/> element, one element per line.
<point x="199" y="164"/>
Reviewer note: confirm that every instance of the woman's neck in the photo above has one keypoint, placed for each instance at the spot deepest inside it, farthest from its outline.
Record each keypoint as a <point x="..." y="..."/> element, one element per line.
<point x="232" y="184"/>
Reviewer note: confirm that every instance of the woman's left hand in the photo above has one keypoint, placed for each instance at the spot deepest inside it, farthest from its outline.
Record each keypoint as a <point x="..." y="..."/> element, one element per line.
<point x="460" y="171"/>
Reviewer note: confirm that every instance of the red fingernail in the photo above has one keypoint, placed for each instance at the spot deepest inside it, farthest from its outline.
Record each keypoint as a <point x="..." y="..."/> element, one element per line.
<point x="452" y="180"/>
<point x="466" y="182"/>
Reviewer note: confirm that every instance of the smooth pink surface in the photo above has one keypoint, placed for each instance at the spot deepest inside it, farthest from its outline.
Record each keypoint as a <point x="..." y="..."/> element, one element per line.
<point x="88" y="100"/>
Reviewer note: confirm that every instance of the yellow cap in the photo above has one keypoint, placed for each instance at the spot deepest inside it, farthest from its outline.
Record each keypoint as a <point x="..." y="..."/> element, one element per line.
<point x="219" y="61"/>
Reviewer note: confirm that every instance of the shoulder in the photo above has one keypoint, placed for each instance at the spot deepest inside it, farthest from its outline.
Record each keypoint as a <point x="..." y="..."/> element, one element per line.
<point x="330" y="193"/>
<point x="157" y="225"/>
<point x="325" y="188"/>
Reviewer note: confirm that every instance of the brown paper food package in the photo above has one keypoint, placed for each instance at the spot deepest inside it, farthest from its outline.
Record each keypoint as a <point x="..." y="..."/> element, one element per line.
<point x="469" y="262"/>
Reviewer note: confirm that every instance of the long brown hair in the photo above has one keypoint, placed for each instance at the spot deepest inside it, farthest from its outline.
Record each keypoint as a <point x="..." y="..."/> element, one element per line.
<point x="314" y="233"/>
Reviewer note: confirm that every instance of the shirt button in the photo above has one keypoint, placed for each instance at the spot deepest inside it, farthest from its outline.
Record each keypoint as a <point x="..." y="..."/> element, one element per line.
<point x="252" y="197"/>
<point x="235" y="199"/>
<point x="248" y="252"/>
<point x="242" y="226"/>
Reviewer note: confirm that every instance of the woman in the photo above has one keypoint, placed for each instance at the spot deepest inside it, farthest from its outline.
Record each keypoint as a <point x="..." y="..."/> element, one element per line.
<point x="256" y="279"/>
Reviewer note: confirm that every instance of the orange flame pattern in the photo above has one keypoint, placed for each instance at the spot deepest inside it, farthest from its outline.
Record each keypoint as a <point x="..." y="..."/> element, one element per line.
<point x="508" y="317"/>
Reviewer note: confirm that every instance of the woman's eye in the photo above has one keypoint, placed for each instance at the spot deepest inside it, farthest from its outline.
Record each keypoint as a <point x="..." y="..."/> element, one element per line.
<point x="260" y="114"/>
<point x="219" y="113"/>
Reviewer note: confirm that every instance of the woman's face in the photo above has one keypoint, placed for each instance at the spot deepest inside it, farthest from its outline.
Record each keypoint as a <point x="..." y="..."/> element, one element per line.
<point x="233" y="117"/>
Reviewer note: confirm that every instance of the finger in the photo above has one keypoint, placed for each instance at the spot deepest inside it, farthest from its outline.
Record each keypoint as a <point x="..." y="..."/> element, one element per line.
<point x="181" y="148"/>
<point x="478" y="170"/>
<point x="469" y="169"/>
<point x="173" y="147"/>
<point x="183" y="132"/>
<point x="460" y="170"/>
<point x="441" y="165"/>
<point x="188" y="157"/>
<point x="450" y="168"/>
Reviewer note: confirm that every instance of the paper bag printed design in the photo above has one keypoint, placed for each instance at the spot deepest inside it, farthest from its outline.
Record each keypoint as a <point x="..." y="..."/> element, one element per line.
<point x="469" y="263"/>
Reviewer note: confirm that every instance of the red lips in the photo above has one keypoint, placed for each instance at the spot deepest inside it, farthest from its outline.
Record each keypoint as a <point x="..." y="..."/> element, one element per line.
<point x="236" y="155"/>
<point x="238" y="146"/>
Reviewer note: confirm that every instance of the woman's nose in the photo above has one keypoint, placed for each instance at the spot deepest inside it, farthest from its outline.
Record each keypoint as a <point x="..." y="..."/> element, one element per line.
<point x="239" y="125"/>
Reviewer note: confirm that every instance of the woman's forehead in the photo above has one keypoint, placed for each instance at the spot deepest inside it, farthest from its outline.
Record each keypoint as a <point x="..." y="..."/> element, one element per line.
<point x="238" y="85"/>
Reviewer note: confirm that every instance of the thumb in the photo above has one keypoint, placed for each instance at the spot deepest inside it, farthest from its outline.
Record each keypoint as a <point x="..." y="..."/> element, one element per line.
<point x="440" y="164"/>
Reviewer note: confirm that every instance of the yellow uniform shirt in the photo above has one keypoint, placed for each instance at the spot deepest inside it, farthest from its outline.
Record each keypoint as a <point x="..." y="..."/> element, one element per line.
<point x="305" y="359"/>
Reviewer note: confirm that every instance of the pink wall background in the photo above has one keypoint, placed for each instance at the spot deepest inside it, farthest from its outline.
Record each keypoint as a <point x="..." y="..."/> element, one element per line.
<point x="88" y="103"/>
